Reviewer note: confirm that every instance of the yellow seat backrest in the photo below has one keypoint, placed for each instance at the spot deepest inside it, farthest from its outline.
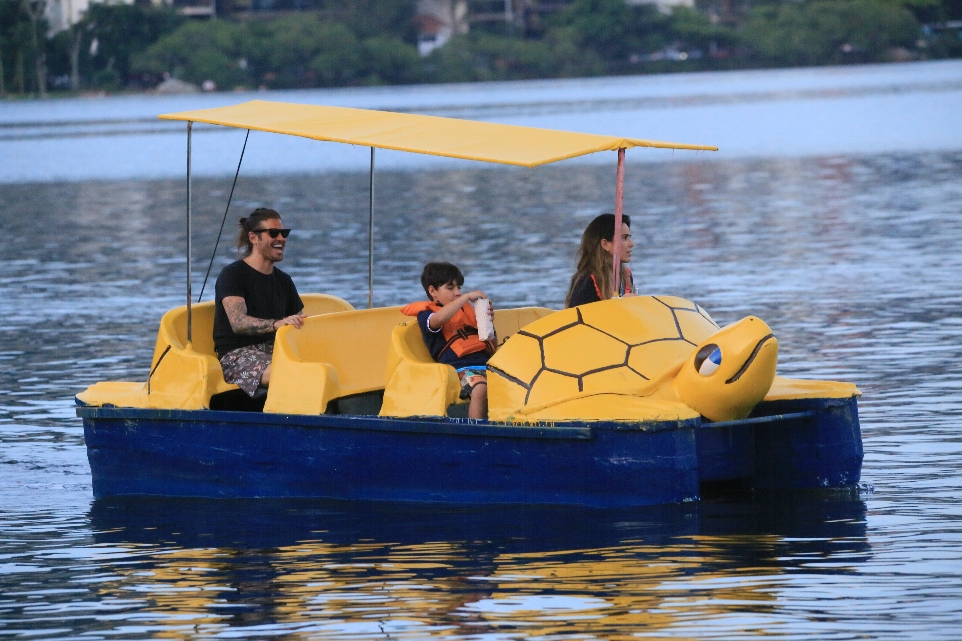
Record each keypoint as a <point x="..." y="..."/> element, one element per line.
<point x="417" y="385"/>
<point x="173" y="325"/>
<point x="330" y="357"/>
<point x="187" y="378"/>
<point x="507" y="322"/>
<point x="410" y="343"/>
<point x="318" y="304"/>
<point x="173" y="330"/>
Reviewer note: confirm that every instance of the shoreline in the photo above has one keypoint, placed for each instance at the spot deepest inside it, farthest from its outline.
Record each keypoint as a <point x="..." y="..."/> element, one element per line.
<point x="54" y="96"/>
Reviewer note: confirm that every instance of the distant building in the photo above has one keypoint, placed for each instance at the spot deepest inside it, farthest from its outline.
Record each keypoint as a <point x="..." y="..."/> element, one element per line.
<point x="729" y="12"/>
<point x="508" y="11"/>
<point x="438" y="21"/>
<point x="665" y="6"/>
<point x="192" y="8"/>
<point x="62" y="14"/>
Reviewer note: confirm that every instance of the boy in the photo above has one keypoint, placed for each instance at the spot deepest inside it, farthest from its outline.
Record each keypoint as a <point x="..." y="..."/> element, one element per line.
<point x="450" y="331"/>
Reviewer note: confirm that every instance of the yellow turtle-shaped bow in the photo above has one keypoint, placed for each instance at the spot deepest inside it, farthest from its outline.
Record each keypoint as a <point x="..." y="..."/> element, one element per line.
<point x="642" y="358"/>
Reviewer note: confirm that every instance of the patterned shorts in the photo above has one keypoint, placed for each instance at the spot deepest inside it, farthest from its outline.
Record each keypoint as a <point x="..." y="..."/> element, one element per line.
<point x="244" y="366"/>
<point x="471" y="377"/>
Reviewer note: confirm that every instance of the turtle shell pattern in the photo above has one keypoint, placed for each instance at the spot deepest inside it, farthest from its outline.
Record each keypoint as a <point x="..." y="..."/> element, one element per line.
<point x="614" y="346"/>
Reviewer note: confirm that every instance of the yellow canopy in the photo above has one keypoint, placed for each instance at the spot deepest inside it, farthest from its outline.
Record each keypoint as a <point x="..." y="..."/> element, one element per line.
<point x="450" y="137"/>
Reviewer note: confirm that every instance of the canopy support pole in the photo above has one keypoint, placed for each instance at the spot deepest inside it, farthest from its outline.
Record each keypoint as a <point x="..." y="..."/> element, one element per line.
<point x="619" y="198"/>
<point x="370" y="237"/>
<point x="189" y="198"/>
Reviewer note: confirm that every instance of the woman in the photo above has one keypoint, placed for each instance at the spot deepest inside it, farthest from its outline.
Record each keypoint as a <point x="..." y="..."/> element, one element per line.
<point x="593" y="281"/>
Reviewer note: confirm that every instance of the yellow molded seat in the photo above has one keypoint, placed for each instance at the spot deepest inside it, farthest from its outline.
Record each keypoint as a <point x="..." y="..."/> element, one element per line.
<point x="330" y="357"/>
<point x="185" y="376"/>
<point x="417" y="385"/>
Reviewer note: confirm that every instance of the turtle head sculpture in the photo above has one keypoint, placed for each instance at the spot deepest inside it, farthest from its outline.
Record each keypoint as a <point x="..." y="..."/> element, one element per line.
<point x="638" y="359"/>
<point x="730" y="372"/>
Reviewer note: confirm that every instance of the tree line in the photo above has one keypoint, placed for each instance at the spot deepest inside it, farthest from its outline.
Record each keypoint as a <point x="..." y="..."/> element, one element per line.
<point x="118" y="47"/>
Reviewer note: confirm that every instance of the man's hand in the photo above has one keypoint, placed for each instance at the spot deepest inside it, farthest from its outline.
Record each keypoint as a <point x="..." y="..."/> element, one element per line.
<point x="297" y="320"/>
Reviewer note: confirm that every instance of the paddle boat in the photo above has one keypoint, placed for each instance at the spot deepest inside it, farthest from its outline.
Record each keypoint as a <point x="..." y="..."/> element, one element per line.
<point x="627" y="402"/>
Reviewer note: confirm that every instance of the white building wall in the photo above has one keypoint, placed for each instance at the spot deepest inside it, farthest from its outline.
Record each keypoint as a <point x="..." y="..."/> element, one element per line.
<point x="665" y="6"/>
<point x="62" y="14"/>
<point x="450" y="15"/>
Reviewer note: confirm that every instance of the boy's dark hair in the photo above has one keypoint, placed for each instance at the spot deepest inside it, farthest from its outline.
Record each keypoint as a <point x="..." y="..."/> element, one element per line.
<point x="438" y="274"/>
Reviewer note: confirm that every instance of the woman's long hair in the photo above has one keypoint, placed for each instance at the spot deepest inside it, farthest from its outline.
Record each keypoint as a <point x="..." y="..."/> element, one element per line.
<point x="593" y="260"/>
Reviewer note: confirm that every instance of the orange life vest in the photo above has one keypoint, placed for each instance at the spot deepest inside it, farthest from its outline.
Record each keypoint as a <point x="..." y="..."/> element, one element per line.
<point x="460" y="333"/>
<point x="622" y="286"/>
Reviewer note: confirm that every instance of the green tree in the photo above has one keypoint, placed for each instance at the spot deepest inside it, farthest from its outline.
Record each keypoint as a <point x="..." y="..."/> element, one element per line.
<point x="613" y="29"/>
<point x="481" y="56"/>
<point x="304" y="50"/>
<point x="939" y="42"/>
<point x="14" y="46"/>
<point x="199" y="51"/>
<point x="370" y="18"/>
<point x="931" y="10"/>
<point x="696" y="30"/>
<point x="336" y="43"/>
<point x="828" y="31"/>
<point x="35" y="10"/>
<point x="23" y="46"/>
<point x="570" y="60"/>
<point x="603" y="26"/>
<point x="113" y="34"/>
<point x="390" y="60"/>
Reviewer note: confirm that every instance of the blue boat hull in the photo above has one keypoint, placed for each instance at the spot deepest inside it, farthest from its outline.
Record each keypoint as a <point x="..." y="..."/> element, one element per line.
<point x="793" y="444"/>
<point x="204" y="453"/>
<point x="234" y="454"/>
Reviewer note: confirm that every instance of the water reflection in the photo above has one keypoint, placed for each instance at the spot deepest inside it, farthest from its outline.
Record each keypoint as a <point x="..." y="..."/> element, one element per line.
<point x="296" y="567"/>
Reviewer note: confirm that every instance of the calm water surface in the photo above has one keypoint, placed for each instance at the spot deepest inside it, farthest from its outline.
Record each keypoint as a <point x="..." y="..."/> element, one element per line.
<point x="853" y="259"/>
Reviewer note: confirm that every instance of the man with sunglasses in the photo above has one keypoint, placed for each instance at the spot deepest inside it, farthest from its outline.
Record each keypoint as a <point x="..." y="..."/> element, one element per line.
<point x="253" y="298"/>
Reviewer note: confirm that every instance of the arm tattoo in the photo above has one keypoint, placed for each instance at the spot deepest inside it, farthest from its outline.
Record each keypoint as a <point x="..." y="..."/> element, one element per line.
<point x="240" y="322"/>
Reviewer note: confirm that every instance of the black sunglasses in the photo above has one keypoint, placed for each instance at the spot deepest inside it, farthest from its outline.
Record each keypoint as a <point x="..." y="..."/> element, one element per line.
<point x="273" y="231"/>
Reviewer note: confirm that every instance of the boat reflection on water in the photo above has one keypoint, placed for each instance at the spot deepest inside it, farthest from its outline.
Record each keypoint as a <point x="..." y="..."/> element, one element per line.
<point x="335" y="568"/>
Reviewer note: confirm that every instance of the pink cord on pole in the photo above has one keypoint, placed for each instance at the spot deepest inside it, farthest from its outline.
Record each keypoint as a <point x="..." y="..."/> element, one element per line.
<point x="619" y="198"/>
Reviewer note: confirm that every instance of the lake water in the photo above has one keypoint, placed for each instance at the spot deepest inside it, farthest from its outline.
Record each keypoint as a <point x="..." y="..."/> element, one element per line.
<point x="833" y="211"/>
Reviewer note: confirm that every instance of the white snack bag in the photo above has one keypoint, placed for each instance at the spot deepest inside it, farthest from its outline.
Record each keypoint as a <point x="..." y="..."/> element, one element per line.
<point x="485" y="326"/>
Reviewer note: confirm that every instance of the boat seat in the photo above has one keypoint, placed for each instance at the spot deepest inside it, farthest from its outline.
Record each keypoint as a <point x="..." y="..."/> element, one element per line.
<point x="330" y="357"/>
<point x="417" y="385"/>
<point x="185" y="376"/>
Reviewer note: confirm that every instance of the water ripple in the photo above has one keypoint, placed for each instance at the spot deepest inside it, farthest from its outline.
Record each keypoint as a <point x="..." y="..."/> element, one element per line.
<point x="852" y="260"/>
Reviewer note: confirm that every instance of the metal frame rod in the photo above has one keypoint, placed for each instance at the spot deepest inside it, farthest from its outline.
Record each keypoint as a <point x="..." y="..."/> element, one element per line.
<point x="775" y="418"/>
<point x="370" y="238"/>
<point x="619" y="199"/>
<point x="224" y="219"/>
<point x="189" y="198"/>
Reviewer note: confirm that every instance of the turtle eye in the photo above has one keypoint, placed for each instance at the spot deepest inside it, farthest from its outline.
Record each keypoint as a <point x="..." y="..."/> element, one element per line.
<point x="708" y="359"/>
